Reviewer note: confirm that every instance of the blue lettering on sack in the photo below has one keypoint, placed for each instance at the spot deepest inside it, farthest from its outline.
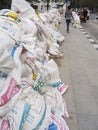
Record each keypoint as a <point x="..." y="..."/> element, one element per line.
<point x="24" y="115"/>
<point x="14" y="49"/>
<point x="3" y="75"/>
<point x="41" y="120"/>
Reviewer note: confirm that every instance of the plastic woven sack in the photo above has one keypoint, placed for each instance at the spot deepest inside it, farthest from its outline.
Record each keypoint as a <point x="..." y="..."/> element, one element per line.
<point x="16" y="53"/>
<point x="23" y="8"/>
<point x="29" y="112"/>
<point x="53" y="97"/>
<point x="53" y="71"/>
<point x="6" y="61"/>
<point x="6" y="41"/>
<point x="62" y="88"/>
<point x="10" y="27"/>
<point x="28" y="34"/>
<point x="52" y="126"/>
<point x="48" y="72"/>
<point x="18" y="114"/>
<point x="60" y="122"/>
<point x="37" y="112"/>
<point x="8" y="95"/>
<point x="4" y="124"/>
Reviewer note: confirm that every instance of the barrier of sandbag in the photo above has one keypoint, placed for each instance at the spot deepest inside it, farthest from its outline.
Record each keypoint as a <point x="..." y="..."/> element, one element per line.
<point x="31" y="90"/>
<point x="29" y="112"/>
<point x="76" y="20"/>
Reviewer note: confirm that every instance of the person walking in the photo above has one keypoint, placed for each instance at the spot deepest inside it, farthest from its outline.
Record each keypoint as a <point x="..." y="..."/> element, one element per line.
<point x="85" y="13"/>
<point x="68" y="16"/>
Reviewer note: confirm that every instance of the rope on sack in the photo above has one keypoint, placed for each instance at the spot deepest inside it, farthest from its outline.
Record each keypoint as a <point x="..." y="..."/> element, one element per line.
<point x="41" y="84"/>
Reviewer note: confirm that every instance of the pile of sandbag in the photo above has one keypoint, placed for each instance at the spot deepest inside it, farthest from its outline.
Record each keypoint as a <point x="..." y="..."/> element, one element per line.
<point x="31" y="89"/>
<point x="76" y="20"/>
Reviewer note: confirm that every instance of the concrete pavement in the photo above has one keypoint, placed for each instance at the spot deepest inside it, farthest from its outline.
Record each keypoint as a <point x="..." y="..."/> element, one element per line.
<point x="79" y="69"/>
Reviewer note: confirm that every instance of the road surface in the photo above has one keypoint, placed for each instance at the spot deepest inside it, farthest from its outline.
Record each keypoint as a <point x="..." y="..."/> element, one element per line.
<point x="79" y="69"/>
<point x="92" y="27"/>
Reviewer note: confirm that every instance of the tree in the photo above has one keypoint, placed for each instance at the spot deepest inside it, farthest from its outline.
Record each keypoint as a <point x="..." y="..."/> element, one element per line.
<point x="85" y="3"/>
<point x="5" y="4"/>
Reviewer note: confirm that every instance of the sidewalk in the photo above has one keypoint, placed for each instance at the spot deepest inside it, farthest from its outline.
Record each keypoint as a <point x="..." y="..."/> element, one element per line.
<point x="79" y="69"/>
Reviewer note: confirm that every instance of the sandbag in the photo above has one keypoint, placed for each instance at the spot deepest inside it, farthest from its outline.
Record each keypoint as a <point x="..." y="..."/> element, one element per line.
<point x="18" y="114"/>
<point x="37" y="112"/>
<point x="53" y="71"/>
<point x="29" y="112"/>
<point x="10" y="26"/>
<point x="6" y="61"/>
<point x="59" y="121"/>
<point x="6" y="41"/>
<point x="23" y="8"/>
<point x="4" y="124"/>
<point x="9" y="87"/>
<point x="9" y="95"/>
<point x="27" y="34"/>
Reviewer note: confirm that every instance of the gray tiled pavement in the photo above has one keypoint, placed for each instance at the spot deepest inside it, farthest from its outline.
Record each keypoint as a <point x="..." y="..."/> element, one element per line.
<point x="79" y="69"/>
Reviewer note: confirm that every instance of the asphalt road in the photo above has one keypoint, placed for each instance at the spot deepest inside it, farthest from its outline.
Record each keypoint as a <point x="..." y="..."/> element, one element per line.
<point x="79" y="69"/>
<point x="92" y="27"/>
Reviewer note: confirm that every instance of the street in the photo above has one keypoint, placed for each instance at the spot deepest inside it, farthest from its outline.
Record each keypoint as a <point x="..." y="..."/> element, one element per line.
<point x="92" y="26"/>
<point x="79" y="69"/>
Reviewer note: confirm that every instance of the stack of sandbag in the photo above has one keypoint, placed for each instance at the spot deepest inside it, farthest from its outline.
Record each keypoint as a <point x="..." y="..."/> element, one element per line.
<point x="51" y="18"/>
<point x="32" y="102"/>
<point x="31" y="89"/>
<point x="76" y="20"/>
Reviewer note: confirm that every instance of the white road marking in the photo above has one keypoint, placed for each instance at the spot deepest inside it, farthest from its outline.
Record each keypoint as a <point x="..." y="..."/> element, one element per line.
<point x="91" y="40"/>
<point x="95" y="45"/>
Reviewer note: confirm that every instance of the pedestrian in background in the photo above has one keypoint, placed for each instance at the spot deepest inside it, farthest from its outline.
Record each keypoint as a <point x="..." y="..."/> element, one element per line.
<point x="85" y="13"/>
<point x="88" y="14"/>
<point x="68" y="16"/>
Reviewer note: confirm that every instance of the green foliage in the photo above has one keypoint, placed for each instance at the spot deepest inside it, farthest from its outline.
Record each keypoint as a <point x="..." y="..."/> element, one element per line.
<point x="85" y="3"/>
<point x="5" y="4"/>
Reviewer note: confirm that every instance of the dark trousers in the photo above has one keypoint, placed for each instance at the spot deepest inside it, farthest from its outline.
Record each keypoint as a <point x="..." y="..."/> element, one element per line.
<point x="67" y="24"/>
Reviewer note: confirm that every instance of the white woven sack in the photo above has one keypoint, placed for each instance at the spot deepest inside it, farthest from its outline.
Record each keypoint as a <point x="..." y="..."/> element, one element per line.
<point x="8" y="95"/>
<point x="54" y="51"/>
<point x="9" y="91"/>
<point x="47" y="119"/>
<point x="10" y="27"/>
<point x="53" y="97"/>
<point x="6" y="41"/>
<point x="29" y="113"/>
<point x="55" y="34"/>
<point x="37" y="112"/>
<point x="18" y="114"/>
<point x="26" y="72"/>
<point x="60" y="122"/>
<point x="53" y="71"/>
<point x="28" y="33"/>
<point x="7" y="64"/>
<point x="23" y="8"/>
<point x="16" y="54"/>
<point x="41" y="68"/>
<point x="4" y="124"/>
<point x="43" y="18"/>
